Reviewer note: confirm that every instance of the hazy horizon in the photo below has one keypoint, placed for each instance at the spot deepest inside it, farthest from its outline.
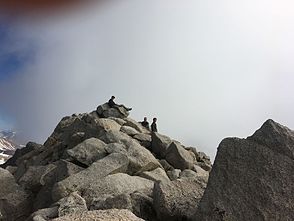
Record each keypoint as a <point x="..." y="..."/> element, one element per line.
<point x="206" y="70"/>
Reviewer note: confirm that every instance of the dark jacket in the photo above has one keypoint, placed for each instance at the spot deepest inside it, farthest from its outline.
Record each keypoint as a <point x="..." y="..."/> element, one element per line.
<point x="154" y="127"/>
<point x="111" y="103"/>
<point x="145" y="124"/>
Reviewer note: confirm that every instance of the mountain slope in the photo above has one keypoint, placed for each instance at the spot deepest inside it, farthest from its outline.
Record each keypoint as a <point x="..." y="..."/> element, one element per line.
<point x="7" y="145"/>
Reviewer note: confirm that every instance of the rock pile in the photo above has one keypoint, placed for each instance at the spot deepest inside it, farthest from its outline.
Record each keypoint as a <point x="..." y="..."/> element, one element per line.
<point x="106" y="166"/>
<point x="103" y="165"/>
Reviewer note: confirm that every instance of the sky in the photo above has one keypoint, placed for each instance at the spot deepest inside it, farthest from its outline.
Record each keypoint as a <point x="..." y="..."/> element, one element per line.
<point x="206" y="69"/>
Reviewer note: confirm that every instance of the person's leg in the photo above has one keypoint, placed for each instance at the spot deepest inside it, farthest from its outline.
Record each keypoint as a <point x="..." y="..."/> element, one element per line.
<point x="127" y="108"/>
<point x="121" y="108"/>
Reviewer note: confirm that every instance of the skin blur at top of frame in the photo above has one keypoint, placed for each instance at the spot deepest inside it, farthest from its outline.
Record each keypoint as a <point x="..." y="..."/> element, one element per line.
<point x="28" y="7"/>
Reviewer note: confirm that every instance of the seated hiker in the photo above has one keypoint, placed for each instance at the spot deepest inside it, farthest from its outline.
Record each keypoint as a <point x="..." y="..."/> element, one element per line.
<point x="145" y="123"/>
<point x="153" y="125"/>
<point x="112" y="104"/>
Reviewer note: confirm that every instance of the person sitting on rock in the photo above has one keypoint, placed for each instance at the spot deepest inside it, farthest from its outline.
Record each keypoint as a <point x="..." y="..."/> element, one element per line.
<point x="153" y="125"/>
<point x="145" y="123"/>
<point x="112" y="104"/>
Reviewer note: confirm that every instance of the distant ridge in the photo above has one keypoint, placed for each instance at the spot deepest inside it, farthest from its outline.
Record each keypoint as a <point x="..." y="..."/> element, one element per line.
<point x="8" y="145"/>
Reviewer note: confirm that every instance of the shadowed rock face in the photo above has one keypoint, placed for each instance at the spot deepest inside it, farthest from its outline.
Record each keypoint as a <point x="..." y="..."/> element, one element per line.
<point x="15" y="203"/>
<point x="252" y="179"/>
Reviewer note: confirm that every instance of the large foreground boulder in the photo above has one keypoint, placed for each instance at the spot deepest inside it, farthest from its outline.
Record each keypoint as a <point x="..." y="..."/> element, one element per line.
<point x="101" y="215"/>
<point x="176" y="200"/>
<point x="113" y="163"/>
<point x="44" y="214"/>
<point x="139" y="203"/>
<point x="15" y="206"/>
<point x="252" y="179"/>
<point x="126" y="192"/>
<point x="15" y="203"/>
<point x="114" y="185"/>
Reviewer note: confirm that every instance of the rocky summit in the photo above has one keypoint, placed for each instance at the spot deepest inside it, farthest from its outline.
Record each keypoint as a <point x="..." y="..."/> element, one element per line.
<point x="103" y="165"/>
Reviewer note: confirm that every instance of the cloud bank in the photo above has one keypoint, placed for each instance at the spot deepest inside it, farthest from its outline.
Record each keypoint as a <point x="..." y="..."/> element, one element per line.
<point x="206" y="71"/>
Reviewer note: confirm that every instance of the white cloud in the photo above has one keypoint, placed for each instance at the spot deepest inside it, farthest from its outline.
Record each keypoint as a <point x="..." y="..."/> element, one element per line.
<point x="207" y="71"/>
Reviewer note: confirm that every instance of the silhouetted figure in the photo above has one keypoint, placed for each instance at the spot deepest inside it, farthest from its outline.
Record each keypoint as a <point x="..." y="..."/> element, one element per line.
<point x="145" y="123"/>
<point x="153" y="125"/>
<point x="112" y="104"/>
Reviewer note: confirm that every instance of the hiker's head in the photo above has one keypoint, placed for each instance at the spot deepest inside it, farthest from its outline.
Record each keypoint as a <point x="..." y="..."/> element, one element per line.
<point x="154" y="119"/>
<point x="145" y="118"/>
<point x="112" y="97"/>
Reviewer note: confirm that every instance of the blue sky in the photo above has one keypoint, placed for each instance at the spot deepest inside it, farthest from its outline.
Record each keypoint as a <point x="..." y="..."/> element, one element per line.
<point x="6" y="123"/>
<point x="10" y="65"/>
<point x="13" y="60"/>
<point x="10" y="62"/>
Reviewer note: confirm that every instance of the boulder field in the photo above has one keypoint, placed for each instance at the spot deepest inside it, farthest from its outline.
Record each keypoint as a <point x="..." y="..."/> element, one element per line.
<point x="104" y="165"/>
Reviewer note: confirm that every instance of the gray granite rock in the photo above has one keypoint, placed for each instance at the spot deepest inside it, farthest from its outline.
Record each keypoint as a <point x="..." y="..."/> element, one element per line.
<point x="252" y="179"/>
<point x="176" y="200"/>
<point x="88" y="151"/>
<point x="179" y="158"/>
<point x="160" y="144"/>
<point x="74" y="203"/>
<point x="15" y="203"/>
<point x="113" y="163"/>
<point x="156" y="175"/>
<point x="101" y="215"/>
